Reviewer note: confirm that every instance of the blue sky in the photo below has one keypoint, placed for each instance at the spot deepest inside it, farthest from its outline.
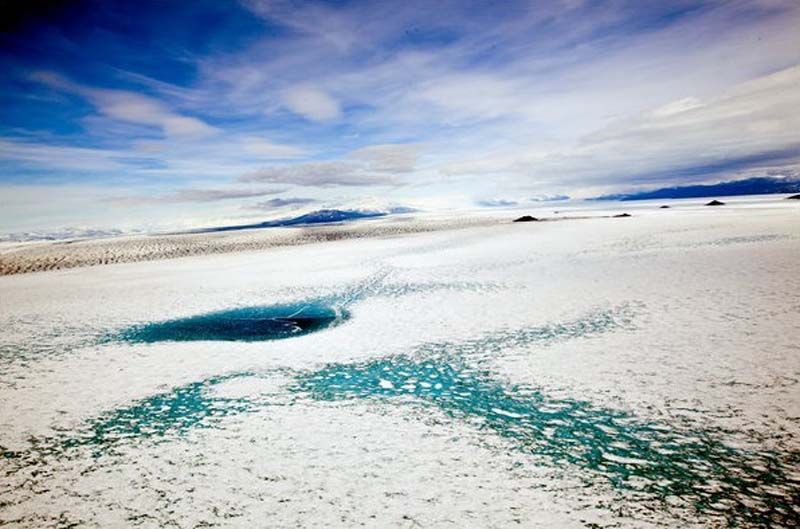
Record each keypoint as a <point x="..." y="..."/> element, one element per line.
<point x="152" y="115"/>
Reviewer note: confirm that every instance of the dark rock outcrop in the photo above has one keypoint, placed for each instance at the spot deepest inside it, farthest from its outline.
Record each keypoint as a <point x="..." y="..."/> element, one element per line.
<point x="526" y="218"/>
<point x="793" y="197"/>
<point x="621" y="215"/>
<point x="715" y="203"/>
<point x="663" y="207"/>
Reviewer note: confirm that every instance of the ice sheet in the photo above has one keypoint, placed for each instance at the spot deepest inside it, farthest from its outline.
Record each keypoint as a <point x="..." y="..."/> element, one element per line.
<point x="674" y="326"/>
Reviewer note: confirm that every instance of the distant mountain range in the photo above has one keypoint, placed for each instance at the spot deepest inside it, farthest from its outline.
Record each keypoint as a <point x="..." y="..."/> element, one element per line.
<point x="321" y="216"/>
<point x="751" y="186"/>
<point x="62" y="234"/>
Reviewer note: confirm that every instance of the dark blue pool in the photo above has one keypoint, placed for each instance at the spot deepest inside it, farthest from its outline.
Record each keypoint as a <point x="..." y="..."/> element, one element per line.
<point x="249" y="324"/>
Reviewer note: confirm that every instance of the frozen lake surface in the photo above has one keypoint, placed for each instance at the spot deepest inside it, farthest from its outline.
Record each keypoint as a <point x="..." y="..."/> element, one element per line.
<point x="598" y="372"/>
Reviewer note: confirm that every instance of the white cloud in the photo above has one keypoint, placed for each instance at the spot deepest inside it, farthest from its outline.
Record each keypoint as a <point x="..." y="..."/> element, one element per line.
<point x="268" y="149"/>
<point x="676" y="107"/>
<point x="281" y="202"/>
<point x="183" y="126"/>
<point x="130" y="107"/>
<point x="388" y="158"/>
<point x="61" y="157"/>
<point x="466" y="97"/>
<point x="367" y="166"/>
<point x="319" y="174"/>
<point x="750" y="128"/>
<point x="311" y="103"/>
<point x="198" y="195"/>
<point x="331" y="26"/>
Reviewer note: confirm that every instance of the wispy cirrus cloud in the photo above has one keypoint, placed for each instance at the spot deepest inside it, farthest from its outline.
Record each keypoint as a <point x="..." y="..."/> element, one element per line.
<point x="198" y="195"/>
<point x="130" y="107"/>
<point x="60" y="156"/>
<point x="259" y="146"/>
